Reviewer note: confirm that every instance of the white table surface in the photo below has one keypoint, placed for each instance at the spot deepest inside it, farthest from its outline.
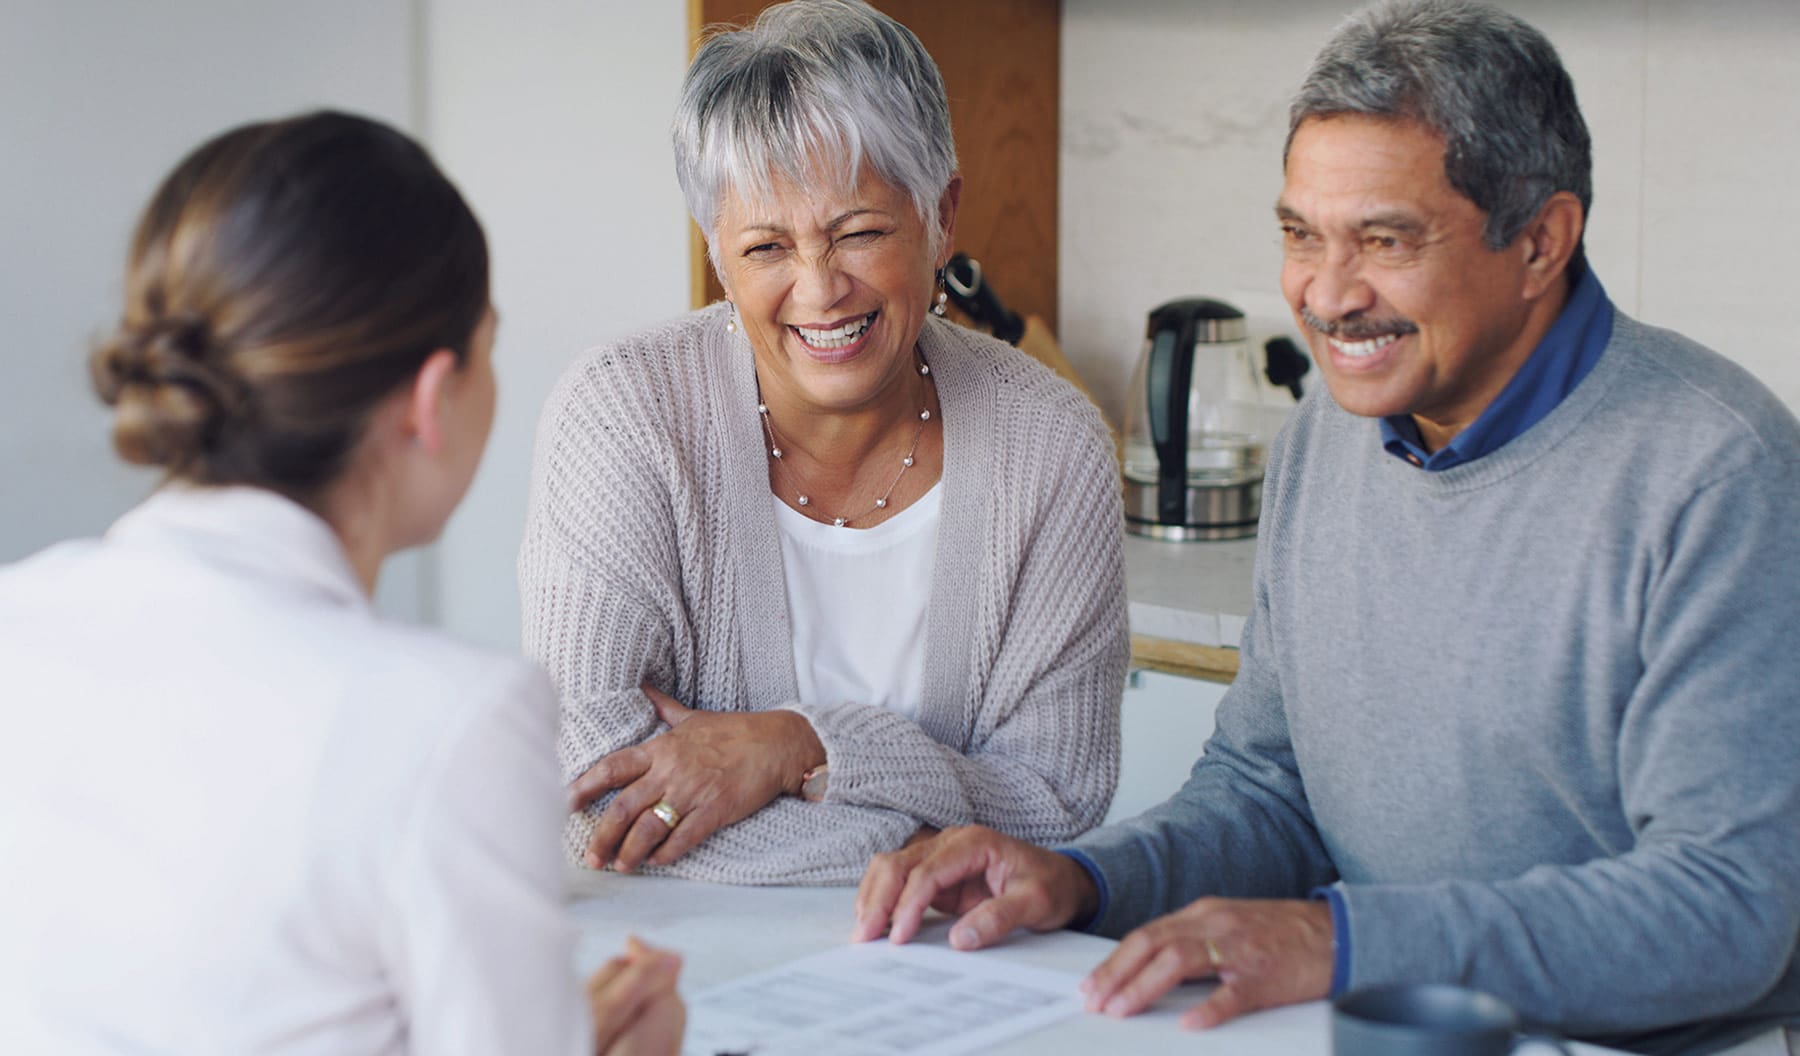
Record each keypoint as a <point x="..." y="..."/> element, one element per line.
<point x="725" y="932"/>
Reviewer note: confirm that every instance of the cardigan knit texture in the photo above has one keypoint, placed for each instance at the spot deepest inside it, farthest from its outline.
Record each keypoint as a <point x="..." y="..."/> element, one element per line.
<point x="652" y="555"/>
<point x="1534" y="715"/>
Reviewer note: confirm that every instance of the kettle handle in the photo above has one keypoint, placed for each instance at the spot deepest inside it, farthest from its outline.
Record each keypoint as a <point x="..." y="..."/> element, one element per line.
<point x="1171" y="372"/>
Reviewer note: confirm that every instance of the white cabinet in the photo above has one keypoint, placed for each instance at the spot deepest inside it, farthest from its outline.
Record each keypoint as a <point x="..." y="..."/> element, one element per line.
<point x="1165" y="721"/>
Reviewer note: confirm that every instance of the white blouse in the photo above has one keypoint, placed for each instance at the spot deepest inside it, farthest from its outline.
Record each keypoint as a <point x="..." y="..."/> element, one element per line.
<point x="857" y="599"/>
<point x="239" y="813"/>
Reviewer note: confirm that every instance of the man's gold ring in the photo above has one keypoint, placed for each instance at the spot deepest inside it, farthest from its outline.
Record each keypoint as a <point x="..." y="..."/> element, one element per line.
<point x="666" y="814"/>
<point x="1212" y="953"/>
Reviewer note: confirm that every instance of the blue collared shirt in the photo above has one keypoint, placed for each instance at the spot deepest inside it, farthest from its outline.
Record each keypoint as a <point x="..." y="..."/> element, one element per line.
<point x="1555" y="367"/>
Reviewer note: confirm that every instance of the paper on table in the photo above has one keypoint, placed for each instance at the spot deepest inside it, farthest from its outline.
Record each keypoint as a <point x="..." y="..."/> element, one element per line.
<point x="878" y="999"/>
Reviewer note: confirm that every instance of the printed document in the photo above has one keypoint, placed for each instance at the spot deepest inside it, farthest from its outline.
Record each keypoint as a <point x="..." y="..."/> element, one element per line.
<point x="878" y="999"/>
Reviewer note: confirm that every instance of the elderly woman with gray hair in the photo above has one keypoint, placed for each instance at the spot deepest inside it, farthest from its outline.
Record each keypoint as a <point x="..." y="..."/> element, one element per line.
<point x="813" y="570"/>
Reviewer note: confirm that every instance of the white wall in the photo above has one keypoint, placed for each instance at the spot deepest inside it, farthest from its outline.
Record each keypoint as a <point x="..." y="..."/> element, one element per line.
<point x="97" y="102"/>
<point x="1174" y="113"/>
<point x="553" y="117"/>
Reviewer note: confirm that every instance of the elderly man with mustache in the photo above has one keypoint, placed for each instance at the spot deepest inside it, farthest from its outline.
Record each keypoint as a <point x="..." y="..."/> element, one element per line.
<point x="1515" y="709"/>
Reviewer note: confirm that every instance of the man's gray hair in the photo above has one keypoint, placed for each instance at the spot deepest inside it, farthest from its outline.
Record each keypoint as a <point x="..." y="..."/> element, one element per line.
<point x="829" y="83"/>
<point x="1485" y="80"/>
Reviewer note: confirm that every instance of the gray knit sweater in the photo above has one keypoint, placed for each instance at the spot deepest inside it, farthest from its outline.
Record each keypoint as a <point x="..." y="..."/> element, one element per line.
<point x="651" y="555"/>
<point x="1539" y="713"/>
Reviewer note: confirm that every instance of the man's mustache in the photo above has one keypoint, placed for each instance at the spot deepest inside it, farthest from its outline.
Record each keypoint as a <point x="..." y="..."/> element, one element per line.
<point x="1356" y="328"/>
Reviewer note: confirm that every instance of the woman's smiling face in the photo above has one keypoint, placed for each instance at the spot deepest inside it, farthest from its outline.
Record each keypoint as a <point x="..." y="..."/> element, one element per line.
<point x="831" y="286"/>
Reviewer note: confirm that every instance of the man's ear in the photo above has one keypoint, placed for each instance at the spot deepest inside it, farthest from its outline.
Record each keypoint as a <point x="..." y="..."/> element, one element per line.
<point x="946" y="217"/>
<point x="426" y="403"/>
<point x="1549" y="241"/>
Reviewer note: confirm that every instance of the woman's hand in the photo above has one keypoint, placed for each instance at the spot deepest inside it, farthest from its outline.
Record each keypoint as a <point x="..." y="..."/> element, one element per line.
<point x="636" y="1009"/>
<point x="711" y="769"/>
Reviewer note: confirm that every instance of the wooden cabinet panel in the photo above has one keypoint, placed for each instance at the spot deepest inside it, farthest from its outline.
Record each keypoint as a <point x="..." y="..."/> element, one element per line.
<point x="1000" y="62"/>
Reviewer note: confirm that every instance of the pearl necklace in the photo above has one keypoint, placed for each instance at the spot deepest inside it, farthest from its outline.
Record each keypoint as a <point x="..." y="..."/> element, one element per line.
<point x="804" y="500"/>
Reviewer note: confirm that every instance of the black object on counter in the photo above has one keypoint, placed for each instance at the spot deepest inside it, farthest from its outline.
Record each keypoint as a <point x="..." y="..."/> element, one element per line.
<point x="976" y="299"/>
<point x="1173" y="330"/>
<point x="1286" y="364"/>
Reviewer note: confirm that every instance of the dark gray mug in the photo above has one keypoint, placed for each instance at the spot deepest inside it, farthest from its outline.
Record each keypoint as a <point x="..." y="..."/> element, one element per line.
<point x="1427" y="1019"/>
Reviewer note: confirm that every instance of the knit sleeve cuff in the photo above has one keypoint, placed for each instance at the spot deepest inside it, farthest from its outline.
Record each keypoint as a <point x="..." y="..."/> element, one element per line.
<point x="881" y="759"/>
<point x="1340" y="937"/>
<point x="1093" y="870"/>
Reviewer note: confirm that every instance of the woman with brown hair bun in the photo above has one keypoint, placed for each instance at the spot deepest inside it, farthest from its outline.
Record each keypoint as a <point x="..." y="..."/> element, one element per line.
<point x="239" y="812"/>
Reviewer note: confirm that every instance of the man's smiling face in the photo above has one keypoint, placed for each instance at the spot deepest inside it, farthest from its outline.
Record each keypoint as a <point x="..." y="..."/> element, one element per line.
<point x="1406" y="308"/>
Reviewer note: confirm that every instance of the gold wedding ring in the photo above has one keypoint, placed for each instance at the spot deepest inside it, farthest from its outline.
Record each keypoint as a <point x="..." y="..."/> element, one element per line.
<point x="1212" y="953"/>
<point x="666" y="814"/>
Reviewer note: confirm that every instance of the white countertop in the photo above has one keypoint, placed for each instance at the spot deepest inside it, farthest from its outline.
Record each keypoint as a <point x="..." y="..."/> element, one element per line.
<point x="1196" y="592"/>
<point x="724" y="932"/>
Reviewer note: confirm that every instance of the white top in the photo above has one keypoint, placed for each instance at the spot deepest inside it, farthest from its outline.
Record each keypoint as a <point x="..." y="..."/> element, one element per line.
<point x="239" y="813"/>
<point x="857" y="597"/>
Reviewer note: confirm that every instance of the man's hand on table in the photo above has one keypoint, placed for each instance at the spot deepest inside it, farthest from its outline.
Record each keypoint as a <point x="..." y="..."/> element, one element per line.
<point x="1265" y="953"/>
<point x="712" y="768"/>
<point x="993" y="882"/>
<point x="636" y="1009"/>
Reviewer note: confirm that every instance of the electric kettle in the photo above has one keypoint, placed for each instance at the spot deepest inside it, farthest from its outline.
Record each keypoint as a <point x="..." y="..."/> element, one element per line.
<point x="1198" y="422"/>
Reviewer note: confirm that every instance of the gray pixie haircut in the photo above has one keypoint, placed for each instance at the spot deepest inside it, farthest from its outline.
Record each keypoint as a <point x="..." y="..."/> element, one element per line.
<point x="831" y="82"/>
<point x="1485" y="80"/>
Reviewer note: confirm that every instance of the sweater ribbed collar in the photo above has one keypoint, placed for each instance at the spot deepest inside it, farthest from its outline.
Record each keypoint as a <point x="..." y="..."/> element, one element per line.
<point x="1554" y="369"/>
<point x="1543" y="438"/>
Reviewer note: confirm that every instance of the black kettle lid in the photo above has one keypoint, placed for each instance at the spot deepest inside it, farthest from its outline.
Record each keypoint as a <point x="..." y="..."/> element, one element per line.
<point x="1197" y="319"/>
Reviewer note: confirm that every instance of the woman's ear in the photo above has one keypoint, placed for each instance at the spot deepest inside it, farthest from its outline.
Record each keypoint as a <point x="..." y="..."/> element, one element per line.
<point x="946" y="217"/>
<point x="426" y="403"/>
<point x="712" y="257"/>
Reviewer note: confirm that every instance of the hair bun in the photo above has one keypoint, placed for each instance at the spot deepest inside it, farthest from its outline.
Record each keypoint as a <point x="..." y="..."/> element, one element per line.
<point x="285" y="280"/>
<point x="171" y="388"/>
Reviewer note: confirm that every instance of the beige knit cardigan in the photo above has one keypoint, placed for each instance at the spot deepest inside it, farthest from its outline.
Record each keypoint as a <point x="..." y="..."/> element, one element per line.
<point x="651" y="555"/>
